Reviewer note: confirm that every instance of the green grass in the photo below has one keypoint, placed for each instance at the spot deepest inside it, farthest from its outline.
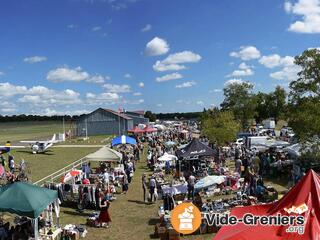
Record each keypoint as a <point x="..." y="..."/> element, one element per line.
<point x="43" y="164"/>
<point x="17" y="131"/>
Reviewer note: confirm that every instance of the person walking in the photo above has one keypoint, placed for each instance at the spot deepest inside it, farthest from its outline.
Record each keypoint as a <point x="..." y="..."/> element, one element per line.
<point x="191" y="183"/>
<point x="144" y="186"/>
<point x="152" y="186"/>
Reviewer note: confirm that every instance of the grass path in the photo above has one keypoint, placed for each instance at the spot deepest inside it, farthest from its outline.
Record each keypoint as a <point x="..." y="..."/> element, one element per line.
<point x="131" y="217"/>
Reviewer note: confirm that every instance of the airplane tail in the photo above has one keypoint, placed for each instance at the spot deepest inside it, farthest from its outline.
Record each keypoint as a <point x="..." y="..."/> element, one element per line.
<point x="53" y="138"/>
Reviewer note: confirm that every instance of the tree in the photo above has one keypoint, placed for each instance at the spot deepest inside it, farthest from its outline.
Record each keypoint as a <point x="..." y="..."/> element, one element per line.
<point x="278" y="100"/>
<point x="152" y="117"/>
<point x="241" y="101"/>
<point x="220" y="127"/>
<point x="304" y="97"/>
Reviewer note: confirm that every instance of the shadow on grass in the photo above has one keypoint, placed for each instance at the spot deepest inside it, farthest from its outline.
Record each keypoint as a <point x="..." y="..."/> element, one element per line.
<point x="152" y="236"/>
<point x="30" y="152"/>
<point x="153" y="221"/>
<point x="76" y="213"/>
<point x="140" y="202"/>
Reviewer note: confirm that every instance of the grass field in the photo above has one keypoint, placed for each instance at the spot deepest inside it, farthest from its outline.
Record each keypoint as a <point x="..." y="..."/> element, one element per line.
<point x="17" y="131"/>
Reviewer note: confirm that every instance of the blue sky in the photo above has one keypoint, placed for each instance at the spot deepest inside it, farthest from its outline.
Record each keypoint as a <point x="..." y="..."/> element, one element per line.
<point x="73" y="56"/>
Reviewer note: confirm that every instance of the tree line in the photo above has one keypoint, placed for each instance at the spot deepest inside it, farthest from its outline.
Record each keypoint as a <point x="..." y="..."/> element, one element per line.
<point x="299" y="107"/>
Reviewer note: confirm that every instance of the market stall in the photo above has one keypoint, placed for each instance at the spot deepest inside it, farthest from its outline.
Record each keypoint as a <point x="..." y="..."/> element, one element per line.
<point x="29" y="201"/>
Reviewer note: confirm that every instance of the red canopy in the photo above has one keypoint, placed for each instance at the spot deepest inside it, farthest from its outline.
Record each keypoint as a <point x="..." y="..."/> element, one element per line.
<point x="149" y="129"/>
<point x="307" y="192"/>
<point x="136" y="130"/>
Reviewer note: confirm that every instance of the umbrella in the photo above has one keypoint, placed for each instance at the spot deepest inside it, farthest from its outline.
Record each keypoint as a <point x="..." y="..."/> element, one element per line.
<point x="123" y="140"/>
<point x="170" y="143"/>
<point x="209" y="181"/>
<point x="70" y="175"/>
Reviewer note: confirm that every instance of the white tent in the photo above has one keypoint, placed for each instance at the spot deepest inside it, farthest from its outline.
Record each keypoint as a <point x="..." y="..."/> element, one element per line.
<point x="167" y="157"/>
<point x="105" y="154"/>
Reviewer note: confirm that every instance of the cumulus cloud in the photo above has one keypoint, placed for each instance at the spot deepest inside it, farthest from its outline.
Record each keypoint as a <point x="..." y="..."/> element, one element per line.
<point x="244" y="70"/>
<point x="115" y="88"/>
<point x="246" y="53"/>
<point x="309" y="12"/>
<point x="53" y="112"/>
<point x="74" y="75"/>
<point x="186" y="84"/>
<point x="288" y="73"/>
<point x="169" y="77"/>
<point x="157" y="46"/>
<point x="174" y="61"/>
<point x="67" y="74"/>
<point x="200" y="102"/>
<point x="275" y="60"/>
<point x="137" y="94"/>
<point x="159" y="66"/>
<point x="146" y="28"/>
<point x="102" y="98"/>
<point x="159" y="105"/>
<point x="35" y="59"/>
<point x="141" y="84"/>
<point x="233" y="81"/>
<point x="289" y="70"/>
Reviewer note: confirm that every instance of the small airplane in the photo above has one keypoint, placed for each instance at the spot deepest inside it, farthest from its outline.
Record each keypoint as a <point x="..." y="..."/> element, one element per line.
<point x="41" y="146"/>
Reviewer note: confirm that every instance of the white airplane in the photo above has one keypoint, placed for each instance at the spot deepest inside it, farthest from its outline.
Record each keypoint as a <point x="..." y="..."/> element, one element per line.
<point x="41" y="146"/>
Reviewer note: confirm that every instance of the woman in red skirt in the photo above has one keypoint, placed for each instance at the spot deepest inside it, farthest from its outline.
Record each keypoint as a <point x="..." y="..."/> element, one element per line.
<point x="104" y="216"/>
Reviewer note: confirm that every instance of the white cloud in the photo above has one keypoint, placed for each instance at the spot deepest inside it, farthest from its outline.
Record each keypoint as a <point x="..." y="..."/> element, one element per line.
<point x="182" y="57"/>
<point x="288" y="73"/>
<point x="244" y="70"/>
<point x="186" y="84"/>
<point x="8" y="89"/>
<point x="102" y="98"/>
<point x="141" y="84"/>
<point x="67" y="74"/>
<point x="137" y="94"/>
<point x="233" y="81"/>
<point x="157" y="46"/>
<point x="246" y="53"/>
<point x="52" y="112"/>
<point x="289" y="70"/>
<point x="147" y="28"/>
<point x="200" y="102"/>
<point x="96" y="28"/>
<point x="114" y="88"/>
<point x="161" y="67"/>
<point x="127" y="75"/>
<point x="169" y="77"/>
<point x="174" y="61"/>
<point x="35" y="59"/>
<point x="275" y="60"/>
<point x="74" y="75"/>
<point x="159" y="105"/>
<point x="309" y="11"/>
<point x="42" y="96"/>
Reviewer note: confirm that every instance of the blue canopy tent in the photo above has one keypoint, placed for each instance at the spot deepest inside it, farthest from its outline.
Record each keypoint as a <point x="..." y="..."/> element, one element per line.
<point x="123" y="140"/>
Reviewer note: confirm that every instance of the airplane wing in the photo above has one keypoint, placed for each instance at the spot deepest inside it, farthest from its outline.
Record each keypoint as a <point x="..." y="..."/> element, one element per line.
<point x="31" y="142"/>
<point x="13" y="147"/>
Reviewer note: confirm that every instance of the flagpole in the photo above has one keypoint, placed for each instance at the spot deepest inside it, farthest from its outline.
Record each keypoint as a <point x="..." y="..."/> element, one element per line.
<point x="119" y="122"/>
